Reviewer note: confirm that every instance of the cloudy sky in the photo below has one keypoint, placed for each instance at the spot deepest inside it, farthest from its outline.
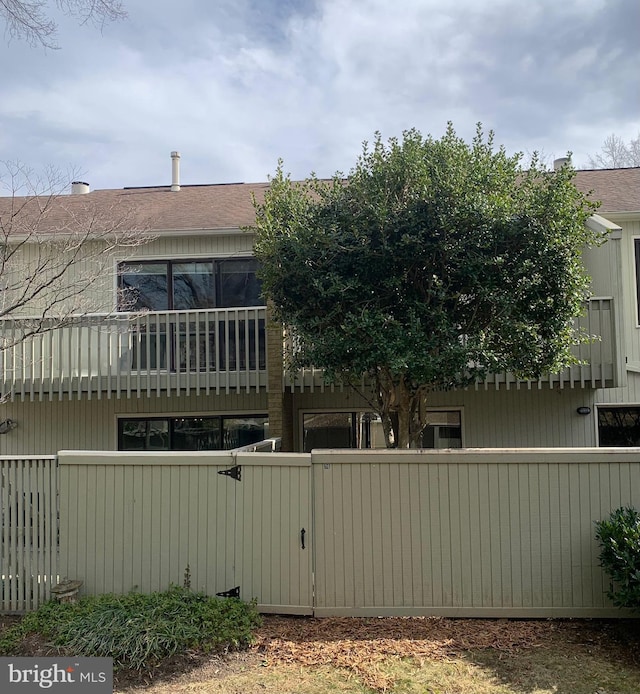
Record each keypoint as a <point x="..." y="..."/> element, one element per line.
<point x="236" y="84"/>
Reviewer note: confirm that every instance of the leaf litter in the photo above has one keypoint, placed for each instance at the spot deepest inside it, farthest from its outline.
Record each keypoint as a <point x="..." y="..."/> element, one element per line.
<point x="363" y="645"/>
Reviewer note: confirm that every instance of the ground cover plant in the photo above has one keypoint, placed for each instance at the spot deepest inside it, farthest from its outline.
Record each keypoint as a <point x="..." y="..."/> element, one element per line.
<point x="427" y="655"/>
<point x="137" y="630"/>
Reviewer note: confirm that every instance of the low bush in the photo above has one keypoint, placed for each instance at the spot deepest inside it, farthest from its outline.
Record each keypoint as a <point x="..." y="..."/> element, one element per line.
<point x="619" y="538"/>
<point x="138" y="630"/>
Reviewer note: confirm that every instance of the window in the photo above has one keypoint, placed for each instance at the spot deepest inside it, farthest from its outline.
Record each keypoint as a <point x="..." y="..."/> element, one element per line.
<point x="619" y="426"/>
<point x="182" y="285"/>
<point x="364" y="430"/>
<point x="199" y="343"/>
<point x="210" y="433"/>
<point x="443" y="430"/>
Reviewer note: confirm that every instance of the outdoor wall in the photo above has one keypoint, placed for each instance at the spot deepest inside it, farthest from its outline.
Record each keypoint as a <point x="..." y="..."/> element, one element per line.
<point x="477" y="533"/>
<point x="514" y="418"/>
<point x="44" y="428"/>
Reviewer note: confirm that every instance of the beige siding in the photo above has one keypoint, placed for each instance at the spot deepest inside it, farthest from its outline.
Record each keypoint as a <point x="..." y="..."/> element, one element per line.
<point x="185" y="246"/>
<point x="466" y="533"/>
<point x="101" y="281"/>
<point x="44" y="428"/>
<point x="136" y="522"/>
<point x="514" y="418"/>
<point x="629" y="330"/>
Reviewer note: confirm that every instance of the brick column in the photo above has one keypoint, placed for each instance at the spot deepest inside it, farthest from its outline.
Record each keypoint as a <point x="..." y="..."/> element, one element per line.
<point x="280" y="404"/>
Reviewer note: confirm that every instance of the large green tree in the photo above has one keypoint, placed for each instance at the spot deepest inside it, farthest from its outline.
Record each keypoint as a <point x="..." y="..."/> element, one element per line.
<point x="433" y="263"/>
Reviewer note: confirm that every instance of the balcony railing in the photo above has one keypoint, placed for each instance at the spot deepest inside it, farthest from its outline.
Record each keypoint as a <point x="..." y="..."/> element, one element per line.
<point x="600" y="362"/>
<point x="202" y="351"/>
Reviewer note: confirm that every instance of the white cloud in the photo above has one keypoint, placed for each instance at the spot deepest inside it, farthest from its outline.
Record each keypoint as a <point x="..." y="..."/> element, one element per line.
<point x="234" y="88"/>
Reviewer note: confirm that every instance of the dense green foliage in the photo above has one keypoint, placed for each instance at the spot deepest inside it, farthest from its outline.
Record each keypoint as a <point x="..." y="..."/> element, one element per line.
<point x="138" y="630"/>
<point x="433" y="263"/>
<point x="619" y="538"/>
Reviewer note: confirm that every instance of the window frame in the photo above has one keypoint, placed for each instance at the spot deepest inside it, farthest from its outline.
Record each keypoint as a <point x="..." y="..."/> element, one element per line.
<point x="217" y="262"/>
<point x="613" y="406"/>
<point x="355" y="411"/>
<point x="121" y="419"/>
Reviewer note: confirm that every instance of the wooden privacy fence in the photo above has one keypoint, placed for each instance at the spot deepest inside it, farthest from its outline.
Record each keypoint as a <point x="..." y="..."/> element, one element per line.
<point x="28" y="531"/>
<point x="233" y="523"/>
<point x="474" y="533"/>
<point x="484" y="532"/>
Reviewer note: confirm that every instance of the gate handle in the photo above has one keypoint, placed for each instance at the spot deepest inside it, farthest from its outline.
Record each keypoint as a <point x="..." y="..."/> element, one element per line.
<point x="303" y="532"/>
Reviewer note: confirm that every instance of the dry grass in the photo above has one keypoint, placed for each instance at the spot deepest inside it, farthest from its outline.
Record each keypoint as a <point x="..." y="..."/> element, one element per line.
<point x="365" y="647"/>
<point x="425" y="656"/>
<point x="296" y="655"/>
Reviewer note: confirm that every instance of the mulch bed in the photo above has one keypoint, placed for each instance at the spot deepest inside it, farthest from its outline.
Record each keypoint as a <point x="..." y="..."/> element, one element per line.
<point x="362" y="645"/>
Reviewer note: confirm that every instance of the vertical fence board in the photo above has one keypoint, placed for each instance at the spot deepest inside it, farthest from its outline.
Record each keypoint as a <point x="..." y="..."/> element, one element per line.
<point x="28" y="531"/>
<point x="459" y="533"/>
<point x="493" y="532"/>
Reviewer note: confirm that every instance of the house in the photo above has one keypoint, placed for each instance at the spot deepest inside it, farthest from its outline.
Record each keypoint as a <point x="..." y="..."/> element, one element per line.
<point x="171" y="346"/>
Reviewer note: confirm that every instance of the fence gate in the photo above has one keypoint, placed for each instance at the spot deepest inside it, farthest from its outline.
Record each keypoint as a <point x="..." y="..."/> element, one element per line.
<point x="28" y="531"/>
<point x="274" y="542"/>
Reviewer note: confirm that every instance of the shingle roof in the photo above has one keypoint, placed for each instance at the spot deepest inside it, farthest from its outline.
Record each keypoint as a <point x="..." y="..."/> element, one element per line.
<point x="617" y="189"/>
<point x="229" y="206"/>
<point x="225" y="206"/>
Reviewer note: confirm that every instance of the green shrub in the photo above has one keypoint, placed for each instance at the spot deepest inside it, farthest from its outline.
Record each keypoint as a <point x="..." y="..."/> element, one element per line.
<point x="138" y="630"/>
<point x="619" y="538"/>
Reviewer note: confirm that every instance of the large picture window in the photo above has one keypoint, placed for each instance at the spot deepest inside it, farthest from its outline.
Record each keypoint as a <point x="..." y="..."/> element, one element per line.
<point x="364" y="430"/>
<point x="182" y="285"/>
<point x="206" y="433"/>
<point x="619" y="426"/>
<point x="230" y="342"/>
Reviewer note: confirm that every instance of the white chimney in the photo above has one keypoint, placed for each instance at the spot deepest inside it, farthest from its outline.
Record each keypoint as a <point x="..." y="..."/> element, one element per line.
<point x="80" y="188"/>
<point x="175" y="171"/>
<point x="559" y="163"/>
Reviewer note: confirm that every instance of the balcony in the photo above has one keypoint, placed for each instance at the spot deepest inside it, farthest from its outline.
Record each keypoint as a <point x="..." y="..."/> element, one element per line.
<point x="219" y="351"/>
<point x="601" y="362"/>
<point x="182" y="352"/>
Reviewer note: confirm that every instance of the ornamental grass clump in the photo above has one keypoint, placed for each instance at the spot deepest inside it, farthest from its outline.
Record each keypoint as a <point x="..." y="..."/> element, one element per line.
<point x="139" y="630"/>
<point x="619" y="538"/>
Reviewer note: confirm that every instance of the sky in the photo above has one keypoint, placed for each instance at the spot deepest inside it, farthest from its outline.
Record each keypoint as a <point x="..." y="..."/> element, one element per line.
<point x="234" y="85"/>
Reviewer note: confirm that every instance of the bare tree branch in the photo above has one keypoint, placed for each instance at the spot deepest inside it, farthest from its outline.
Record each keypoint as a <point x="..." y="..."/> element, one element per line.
<point x="31" y="21"/>
<point x="616" y="153"/>
<point x="58" y="253"/>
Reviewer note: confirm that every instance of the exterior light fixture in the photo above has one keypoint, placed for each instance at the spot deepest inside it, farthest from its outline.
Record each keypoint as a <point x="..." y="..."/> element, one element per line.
<point x="583" y="410"/>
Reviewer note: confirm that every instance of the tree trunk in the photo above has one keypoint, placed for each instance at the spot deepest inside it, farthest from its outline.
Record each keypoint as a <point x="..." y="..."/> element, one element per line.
<point x="402" y="410"/>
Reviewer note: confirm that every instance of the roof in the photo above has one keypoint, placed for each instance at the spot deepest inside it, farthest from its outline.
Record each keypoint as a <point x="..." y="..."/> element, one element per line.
<point x="229" y="206"/>
<point x="197" y="207"/>
<point x="617" y="189"/>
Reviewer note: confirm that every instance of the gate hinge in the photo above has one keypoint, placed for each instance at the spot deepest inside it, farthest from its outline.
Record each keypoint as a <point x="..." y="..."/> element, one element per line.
<point x="234" y="472"/>
<point x="231" y="593"/>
